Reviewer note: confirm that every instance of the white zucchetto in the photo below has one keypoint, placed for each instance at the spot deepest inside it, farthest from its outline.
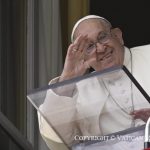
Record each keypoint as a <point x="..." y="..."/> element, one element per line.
<point x="85" y="18"/>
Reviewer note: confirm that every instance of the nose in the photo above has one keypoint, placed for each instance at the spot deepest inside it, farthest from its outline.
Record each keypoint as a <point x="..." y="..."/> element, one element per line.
<point x="100" y="47"/>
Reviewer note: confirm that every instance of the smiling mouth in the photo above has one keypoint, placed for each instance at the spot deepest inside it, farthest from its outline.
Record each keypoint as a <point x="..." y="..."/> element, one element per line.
<point x="106" y="56"/>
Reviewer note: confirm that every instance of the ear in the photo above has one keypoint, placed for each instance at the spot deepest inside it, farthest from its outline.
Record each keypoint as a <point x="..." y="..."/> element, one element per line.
<point x="116" y="32"/>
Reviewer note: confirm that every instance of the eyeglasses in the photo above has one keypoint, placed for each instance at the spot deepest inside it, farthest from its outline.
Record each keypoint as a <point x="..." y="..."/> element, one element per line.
<point x="103" y="38"/>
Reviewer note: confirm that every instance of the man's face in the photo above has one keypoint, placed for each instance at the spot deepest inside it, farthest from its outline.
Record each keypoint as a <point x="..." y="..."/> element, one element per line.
<point x="105" y="45"/>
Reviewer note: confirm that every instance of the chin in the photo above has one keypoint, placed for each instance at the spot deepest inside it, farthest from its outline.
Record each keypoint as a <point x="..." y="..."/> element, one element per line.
<point x="106" y="66"/>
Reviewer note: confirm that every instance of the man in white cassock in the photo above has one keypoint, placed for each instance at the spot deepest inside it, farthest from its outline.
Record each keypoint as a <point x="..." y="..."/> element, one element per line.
<point x="91" y="108"/>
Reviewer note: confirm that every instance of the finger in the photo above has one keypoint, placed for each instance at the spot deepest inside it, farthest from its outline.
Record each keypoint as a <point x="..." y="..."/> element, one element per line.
<point x="88" y="63"/>
<point x="140" y="114"/>
<point x="77" y="42"/>
<point x="79" y="45"/>
<point x="137" y="113"/>
<point x="82" y="43"/>
<point x="142" y="111"/>
<point x="145" y="113"/>
<point x="71" y="50"/>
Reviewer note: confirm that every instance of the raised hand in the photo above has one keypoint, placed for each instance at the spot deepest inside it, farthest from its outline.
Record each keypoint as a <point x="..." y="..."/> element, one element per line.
<point x="75" y="62"/>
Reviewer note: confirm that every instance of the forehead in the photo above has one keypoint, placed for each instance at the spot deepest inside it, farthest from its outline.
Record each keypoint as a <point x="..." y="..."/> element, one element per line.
<point x="90" y="26"/>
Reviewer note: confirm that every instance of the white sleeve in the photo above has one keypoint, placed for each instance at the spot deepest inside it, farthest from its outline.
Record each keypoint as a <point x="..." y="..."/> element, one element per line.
<point x="59" y="112"/>
<point x="49" y="136"/>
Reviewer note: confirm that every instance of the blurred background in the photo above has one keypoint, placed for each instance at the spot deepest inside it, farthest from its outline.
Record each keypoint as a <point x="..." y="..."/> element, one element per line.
<point x="34" y="36"/>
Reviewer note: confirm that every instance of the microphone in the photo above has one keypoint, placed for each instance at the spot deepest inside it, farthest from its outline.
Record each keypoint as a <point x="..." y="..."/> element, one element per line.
<point x="147" y="135"/>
